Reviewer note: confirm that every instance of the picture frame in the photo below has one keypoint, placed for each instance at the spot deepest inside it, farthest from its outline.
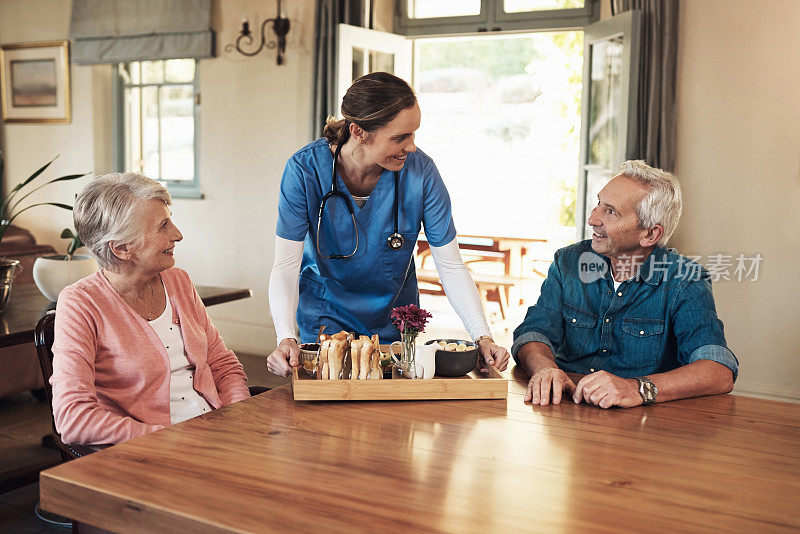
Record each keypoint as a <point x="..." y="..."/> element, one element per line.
<point x="34" y="82"/>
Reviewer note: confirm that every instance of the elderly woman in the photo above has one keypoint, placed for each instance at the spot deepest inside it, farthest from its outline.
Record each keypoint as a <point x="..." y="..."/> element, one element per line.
<point x="134" y="348"/>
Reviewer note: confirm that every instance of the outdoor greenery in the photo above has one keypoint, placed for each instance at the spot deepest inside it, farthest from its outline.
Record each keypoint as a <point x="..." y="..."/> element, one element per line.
<point x="522" y="95"/>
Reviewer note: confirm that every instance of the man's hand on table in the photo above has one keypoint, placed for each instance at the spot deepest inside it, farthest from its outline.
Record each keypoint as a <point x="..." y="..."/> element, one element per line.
<point x="546" y="381"/>
<point x="606" y="390"/>
<point x="283" y="358"/>
<point x="493" y="354"/>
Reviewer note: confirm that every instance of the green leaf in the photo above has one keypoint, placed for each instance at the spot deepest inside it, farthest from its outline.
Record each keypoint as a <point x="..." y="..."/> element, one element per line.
<point x="33" y="176"/>
<point x="13" y="192"/>
<point x="65" y="178"/>
<point x="32" y="191"/>
<point x="56" y="204"/>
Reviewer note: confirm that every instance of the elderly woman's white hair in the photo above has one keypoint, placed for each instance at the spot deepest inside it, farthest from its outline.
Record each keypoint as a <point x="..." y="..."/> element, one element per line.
<point x="662" y="203"/>
<point x="105" y="212"/>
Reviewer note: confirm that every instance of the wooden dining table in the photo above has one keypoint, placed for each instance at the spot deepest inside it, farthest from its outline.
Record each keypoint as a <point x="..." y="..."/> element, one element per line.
<point x="723" y="463"/>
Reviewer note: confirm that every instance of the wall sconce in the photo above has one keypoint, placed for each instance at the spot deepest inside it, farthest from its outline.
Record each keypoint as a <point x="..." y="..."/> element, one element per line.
<point x="280" y="27"/>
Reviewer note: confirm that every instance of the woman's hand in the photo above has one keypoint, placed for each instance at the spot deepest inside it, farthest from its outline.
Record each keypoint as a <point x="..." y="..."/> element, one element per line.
<point x="493" y="354"/>
<point x="283" y="358"/>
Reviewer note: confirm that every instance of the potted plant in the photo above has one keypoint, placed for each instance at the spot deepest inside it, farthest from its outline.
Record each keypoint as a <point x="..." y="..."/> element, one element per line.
<point x="11" y="207"/>
<point x="55" y="272"/>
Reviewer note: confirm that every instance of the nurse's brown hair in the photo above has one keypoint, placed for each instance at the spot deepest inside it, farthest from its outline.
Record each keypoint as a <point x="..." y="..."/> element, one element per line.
<point x="371" y="102"/>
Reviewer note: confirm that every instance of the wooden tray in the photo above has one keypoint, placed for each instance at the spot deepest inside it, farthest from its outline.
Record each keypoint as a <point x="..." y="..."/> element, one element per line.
<point x="474" y="385"/>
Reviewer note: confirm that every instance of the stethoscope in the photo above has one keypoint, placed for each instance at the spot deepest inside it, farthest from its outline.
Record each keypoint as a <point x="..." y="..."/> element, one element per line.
<point x="395" y="241"/>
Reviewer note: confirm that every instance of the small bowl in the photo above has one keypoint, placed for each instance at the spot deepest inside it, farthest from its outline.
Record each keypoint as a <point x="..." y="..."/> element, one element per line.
<point x="308" y="353"/>
<point x="452" y="363"/>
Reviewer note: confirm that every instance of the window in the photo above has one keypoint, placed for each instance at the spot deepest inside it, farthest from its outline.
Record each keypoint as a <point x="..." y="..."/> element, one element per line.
<point x="447" y="17"/>
<point x="501" y="118"/>
<point x="157" y="115"/>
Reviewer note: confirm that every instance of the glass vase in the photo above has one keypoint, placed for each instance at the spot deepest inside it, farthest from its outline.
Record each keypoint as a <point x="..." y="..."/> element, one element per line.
<point x="407" y="363"/>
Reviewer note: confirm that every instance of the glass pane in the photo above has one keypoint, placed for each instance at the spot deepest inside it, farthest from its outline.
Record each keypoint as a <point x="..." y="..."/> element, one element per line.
<point x="359" y="62"/>
<point x="381" y="61"/>
<point x="152" y="72"/>
<point x="177" y="133"/>
<point x="518" y="6"/>
<point x="605" y="99"/>
<point x="133" y="131"/>
<point x="596" y="179"/>
<point x="501" y="119"/>
<point x="423" y="9"/>
<point x="150" y="162"/>
<point x="180" y="70"/>
<point x="135" y="72"/>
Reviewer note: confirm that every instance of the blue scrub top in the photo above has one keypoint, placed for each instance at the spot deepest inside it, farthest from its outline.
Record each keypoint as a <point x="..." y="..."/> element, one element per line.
<point x="357" y="293"/>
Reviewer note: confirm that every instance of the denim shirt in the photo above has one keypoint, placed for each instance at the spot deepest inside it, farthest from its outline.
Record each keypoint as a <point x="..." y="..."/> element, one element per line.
<point x="661" y="319"/>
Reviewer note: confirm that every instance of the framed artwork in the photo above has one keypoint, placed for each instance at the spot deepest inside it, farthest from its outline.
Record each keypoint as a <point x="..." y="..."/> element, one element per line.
<point x="35" y="82"/>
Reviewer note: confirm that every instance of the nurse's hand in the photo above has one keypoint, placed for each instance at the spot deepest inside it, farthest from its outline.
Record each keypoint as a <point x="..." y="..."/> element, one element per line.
<point x="493" y="354"/>
<point x="282" y="359"/>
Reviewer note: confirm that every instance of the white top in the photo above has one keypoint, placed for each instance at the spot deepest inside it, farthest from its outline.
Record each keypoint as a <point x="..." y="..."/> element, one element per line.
<point x="184" y="401"/>
<point x="284" y="290"/>
<point x="360" y="201"/>
<point x="616" y="284"/>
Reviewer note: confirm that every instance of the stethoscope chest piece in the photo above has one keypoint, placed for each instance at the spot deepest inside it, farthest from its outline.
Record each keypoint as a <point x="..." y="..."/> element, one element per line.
<point x="395" y="241"/>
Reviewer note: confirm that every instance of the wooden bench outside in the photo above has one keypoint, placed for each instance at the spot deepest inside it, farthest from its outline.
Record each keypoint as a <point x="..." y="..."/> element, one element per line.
<point x="491" y="288"/>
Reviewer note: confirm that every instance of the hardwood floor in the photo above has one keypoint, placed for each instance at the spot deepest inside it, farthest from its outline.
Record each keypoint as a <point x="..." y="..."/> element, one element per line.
<point x="24" y="420"/>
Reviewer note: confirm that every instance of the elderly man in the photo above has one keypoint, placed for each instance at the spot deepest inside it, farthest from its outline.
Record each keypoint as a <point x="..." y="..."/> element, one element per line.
<point x="636" y="318"/>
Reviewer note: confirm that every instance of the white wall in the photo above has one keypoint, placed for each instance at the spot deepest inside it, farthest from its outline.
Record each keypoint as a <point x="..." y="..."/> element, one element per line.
<point x="254" y="115"/>
<point x="27" y="147"/>
<point x="738" y="157"/>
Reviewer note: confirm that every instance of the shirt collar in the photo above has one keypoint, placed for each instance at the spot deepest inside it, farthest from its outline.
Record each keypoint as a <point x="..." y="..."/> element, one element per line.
<point x="651" y="271"/>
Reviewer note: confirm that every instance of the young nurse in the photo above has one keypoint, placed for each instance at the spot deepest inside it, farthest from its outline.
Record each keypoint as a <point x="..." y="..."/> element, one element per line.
<point x="351" y="207"/>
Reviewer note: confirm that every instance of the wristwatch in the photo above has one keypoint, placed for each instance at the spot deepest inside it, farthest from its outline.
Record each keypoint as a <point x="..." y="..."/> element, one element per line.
<point x="647" y="389"/>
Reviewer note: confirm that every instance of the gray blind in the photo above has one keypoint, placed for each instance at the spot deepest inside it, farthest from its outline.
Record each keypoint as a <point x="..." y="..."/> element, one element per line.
<point x="116" y="31"/>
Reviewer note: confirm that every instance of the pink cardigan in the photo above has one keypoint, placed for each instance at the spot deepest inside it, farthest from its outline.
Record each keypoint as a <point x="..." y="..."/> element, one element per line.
<point x="111" y="372"/>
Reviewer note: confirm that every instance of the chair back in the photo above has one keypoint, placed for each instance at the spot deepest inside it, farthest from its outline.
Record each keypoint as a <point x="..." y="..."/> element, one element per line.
<point x="43" y="339"/>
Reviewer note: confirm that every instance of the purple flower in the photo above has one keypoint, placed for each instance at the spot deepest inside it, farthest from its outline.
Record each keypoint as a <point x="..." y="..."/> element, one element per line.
<point x="410" y="320"/>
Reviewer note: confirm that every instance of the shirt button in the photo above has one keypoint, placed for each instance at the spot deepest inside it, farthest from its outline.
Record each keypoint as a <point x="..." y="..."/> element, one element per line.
<point x="619" y="294"/>
<point x="591" y="370"/>
<point x="574" y="320"/>
<point x="641" y="332"/>
<point x="608" y="320"/>
<point x="605" y="350"/>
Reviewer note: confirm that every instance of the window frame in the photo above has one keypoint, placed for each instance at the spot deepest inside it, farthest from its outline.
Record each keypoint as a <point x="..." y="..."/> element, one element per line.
<point x="493" y="18"/>
<point x="176" y="188"/>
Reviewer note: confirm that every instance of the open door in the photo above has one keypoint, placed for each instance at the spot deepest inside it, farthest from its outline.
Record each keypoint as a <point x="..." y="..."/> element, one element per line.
<point x="361" y="51"/>
<point x="608" y="107"/>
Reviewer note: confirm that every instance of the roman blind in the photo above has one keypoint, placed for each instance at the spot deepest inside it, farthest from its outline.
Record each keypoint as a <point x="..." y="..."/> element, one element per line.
<point x="117" y="31"/>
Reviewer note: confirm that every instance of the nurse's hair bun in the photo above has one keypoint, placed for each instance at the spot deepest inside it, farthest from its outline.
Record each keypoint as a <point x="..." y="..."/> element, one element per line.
<point x="371" y="102"/>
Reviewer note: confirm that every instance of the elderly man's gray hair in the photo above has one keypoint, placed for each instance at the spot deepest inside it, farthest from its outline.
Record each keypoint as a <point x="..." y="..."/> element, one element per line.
<point x="105" y="212"/>
<point x="662" y="203"/>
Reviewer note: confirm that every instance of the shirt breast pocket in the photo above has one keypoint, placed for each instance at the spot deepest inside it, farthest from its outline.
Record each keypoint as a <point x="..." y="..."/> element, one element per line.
<point x="642" y="342"/>
<point x="579" y="324"/>
<point x="397" y="262"/>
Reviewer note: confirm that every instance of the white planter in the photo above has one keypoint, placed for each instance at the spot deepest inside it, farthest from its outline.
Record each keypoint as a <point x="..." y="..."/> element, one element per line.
<point x="54" y="273"/>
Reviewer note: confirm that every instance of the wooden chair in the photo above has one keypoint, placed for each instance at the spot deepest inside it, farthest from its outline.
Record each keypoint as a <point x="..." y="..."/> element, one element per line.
<point x="43" y="339"/>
